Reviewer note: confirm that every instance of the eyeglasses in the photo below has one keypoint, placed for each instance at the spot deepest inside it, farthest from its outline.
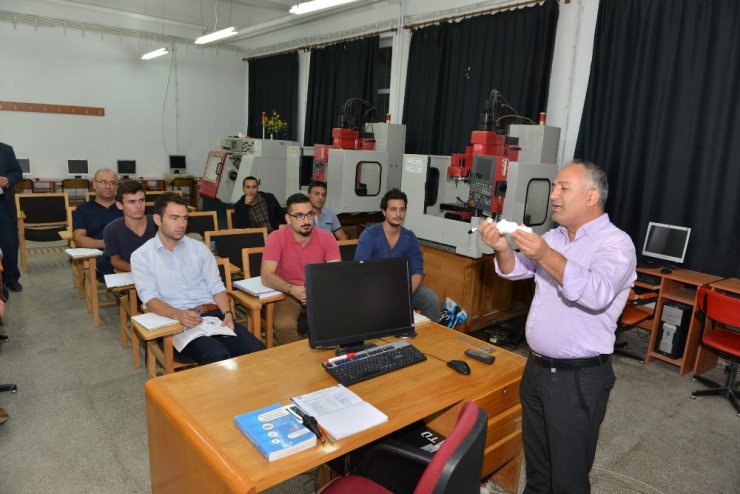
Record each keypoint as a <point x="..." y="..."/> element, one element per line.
<point x="107" y="183"/>
<point x="302" y="216"/>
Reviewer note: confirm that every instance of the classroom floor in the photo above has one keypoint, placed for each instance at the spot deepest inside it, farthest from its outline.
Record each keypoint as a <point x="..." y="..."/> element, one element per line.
<point x="78" y="421"/>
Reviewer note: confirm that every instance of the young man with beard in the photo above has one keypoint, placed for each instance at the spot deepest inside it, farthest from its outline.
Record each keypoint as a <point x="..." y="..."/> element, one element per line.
<point x="326" y="219"/>
<point x="390" y="239"/>
<point x="124" y="235"/>
<point x="178" y="277"/>
<point x="284" y="259"/>
<point x="256" y="209"/>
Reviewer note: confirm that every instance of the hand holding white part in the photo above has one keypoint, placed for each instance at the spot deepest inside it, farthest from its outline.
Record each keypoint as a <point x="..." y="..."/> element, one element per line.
<point x="505" y="226"/>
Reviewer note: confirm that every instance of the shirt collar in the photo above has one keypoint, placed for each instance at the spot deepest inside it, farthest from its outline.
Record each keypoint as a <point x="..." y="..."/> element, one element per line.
<point x="159" y="245"/>
<point x="589" y="228"/>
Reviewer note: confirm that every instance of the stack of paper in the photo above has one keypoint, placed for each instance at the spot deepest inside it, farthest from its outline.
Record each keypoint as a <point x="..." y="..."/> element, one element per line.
<point x="339" y="411"/>
<point x="80" y="252"/>
<point x="118" y="279"/>
<point x="254" y="286"/>
<point x="150" y="320"/>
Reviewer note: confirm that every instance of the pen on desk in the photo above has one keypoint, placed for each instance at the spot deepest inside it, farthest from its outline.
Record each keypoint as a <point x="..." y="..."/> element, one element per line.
<point x="475" y="228"/>
<point x="309" y="422"/>
<point x="326" y="434"/>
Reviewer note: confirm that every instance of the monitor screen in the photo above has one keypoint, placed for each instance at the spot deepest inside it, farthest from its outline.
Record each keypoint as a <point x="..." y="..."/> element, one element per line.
<point x="77" y="167"/>
<point x="25" y="166"/>
<point x="349" y="302"/>
<point x="177" y="162"/>
<point x="127" y="167"/>
<point x="666" y="242"/>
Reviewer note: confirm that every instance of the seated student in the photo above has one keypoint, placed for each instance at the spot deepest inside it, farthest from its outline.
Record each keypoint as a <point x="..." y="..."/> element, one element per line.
<point x="124" y="235"/>
<point x="90" y="218"/>
<point x="326" y="219"/>
<point x="284" y="260"/>
<point x="256" y="209"/>
<point x="390" y="239"/>
<point x="178" y="277"/>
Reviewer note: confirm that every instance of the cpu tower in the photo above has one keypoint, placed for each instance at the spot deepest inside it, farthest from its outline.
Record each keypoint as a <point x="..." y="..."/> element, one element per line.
<point x="674" y="325"/>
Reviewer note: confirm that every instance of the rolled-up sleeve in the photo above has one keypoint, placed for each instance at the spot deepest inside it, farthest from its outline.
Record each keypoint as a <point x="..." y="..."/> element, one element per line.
<point x="523" y="268"/>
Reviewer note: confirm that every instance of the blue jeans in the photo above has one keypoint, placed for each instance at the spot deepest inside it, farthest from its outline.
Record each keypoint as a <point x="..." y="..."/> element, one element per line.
<point x="426" y="301"/>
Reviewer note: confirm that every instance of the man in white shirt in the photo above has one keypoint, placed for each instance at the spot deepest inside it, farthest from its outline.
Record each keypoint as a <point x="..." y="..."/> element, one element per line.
<point x="178" y="277"/>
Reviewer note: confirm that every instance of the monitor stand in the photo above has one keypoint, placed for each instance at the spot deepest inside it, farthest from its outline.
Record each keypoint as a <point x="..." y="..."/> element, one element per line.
<point x="176" y="172"/>
<point x="651" y="263"/>
<point x="78" y="177"/>
<point x="353" y="348"/>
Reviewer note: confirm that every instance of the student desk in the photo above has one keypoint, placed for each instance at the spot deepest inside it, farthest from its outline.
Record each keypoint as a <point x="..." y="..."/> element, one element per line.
<point x="194" y="445"/>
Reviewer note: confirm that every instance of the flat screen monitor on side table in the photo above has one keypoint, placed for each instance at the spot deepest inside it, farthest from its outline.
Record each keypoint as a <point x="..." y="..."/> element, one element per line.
<point x="126" y="168"/>
<point x="177" y="164"/>
<point x="665" y="245"/>
<point x="25" y="164"/>
<point x="350" y="302"/>
<point x="77" y="168"/>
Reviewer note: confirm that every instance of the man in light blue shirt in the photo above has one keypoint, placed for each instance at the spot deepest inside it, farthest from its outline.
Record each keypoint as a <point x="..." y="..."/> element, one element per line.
<point x="177" y="277"/>
<point x="583" y="271"/>
<point x="325" y="218"/>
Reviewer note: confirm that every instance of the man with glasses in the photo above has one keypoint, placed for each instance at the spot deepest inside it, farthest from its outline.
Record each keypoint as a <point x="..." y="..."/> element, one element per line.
<point x="91" y="218"/>
<point x="284" y="259"/>
<point x="178" y="277"/>
<point x="256" y="209"/>
<point x="124" y="235"/>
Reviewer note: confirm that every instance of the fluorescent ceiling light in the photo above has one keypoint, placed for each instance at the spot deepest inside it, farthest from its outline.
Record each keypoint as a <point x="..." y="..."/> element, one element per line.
<point x="306" y="7"/>
<point x="224" y="33"/>
<point x="154" y="54"/>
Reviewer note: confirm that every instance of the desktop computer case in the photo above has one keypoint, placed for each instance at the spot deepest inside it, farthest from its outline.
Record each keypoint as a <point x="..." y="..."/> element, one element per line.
<point x="674" y="325"/>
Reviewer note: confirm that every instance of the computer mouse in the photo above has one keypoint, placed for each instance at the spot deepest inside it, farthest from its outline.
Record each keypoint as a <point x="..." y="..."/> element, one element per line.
<point x="459" y="366"/>
<point x="666" y="270"/>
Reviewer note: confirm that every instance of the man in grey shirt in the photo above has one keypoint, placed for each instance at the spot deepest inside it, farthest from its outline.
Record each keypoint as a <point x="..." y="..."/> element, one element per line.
<point x="325" y="218"/>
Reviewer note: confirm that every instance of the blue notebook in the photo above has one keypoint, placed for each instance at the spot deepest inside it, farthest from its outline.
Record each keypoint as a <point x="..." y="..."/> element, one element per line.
<point x="275" y="432"/>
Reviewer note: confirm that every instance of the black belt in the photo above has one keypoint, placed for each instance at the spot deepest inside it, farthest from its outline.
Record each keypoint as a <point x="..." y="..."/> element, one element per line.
<point x="567" y="363"/>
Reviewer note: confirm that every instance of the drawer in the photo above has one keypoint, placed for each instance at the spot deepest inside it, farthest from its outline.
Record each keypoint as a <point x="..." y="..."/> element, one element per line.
<point x="500" y="399"/>
<point x="501" y="452"/>
<point x="503" y="425"/>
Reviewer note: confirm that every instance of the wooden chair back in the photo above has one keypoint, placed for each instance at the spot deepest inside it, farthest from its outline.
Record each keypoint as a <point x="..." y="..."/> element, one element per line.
<point x="24" y="186"/>
<point x="76" y="188"/>
<point x="229" y="243"/>
<point x="252" y="261"/>
<point x="40" y="219"/>
<point x="347" y="249"/>
<point x="201" y="222"/>
<point x="230" y="218"/>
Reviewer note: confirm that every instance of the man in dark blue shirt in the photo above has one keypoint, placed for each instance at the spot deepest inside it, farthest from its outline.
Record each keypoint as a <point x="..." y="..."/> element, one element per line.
<point x="124" y="235"/>
<point x="91" y="218"/>
<point x="10" y="174"/>
<point x="390" y="239"/>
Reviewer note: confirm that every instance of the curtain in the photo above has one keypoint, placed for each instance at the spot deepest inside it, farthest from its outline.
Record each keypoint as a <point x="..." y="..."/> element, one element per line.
<point x="453" y="67"/>
<point x="662" y="116"/>
<point x="273" y="86"/>
<point x="337" y="73"/>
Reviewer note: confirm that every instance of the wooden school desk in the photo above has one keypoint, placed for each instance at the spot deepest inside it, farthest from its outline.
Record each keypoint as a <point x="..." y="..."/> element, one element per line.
<point x="194" y="445"/>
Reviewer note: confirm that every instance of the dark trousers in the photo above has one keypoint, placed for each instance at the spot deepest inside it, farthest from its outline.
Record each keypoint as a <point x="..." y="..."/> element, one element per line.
<point x="209" y="349"/>
<point x="9" y="241"/>
<point x="562" y="412"/>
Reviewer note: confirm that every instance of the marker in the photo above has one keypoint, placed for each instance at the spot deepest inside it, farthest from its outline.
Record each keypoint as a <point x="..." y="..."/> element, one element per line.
<point x="475" y="229"/>
<point x="340" y="357"/>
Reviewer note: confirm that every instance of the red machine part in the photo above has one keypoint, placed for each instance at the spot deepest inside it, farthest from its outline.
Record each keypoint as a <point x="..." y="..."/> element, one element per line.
<point x="483" y="142"/>
<point x="341" y="139"/>
<point x="212" y="173"/>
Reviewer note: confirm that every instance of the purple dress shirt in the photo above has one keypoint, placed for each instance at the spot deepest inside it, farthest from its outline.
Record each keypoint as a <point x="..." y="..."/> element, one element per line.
<point x="578" y="319"/>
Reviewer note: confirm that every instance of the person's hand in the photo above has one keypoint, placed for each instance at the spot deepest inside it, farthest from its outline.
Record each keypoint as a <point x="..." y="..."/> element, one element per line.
<point x="4" y="182"/>
<point x="189" y="318"/>
<point x="299" y="292"/>
<point x="492" y="237"/>
<point x="2" y="308"/>
<point x="228" y="320"/>
<point x="531" y="245"/>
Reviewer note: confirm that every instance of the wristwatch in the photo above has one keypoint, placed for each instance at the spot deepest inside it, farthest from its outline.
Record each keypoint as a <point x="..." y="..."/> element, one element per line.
<point x="228" y="312"/>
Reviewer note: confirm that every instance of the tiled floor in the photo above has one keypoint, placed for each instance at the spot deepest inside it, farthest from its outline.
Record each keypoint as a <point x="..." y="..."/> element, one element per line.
<point x="78" y="421"/>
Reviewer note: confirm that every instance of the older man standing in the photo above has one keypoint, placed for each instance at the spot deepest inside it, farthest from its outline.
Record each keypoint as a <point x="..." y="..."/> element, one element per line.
<point x="583" y="271"/>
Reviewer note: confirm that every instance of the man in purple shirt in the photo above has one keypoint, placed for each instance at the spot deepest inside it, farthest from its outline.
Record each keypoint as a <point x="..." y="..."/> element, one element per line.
<point x="583" y="271"/>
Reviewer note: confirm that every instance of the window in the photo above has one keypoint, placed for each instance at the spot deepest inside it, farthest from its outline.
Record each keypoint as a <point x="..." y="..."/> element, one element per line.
<point x="536" y="202"/>
<point x="385" y="52"/>
<point x="367" y="178"/>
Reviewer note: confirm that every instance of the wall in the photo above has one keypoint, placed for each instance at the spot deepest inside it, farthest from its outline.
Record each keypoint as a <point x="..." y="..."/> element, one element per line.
<point x="150" y="111"/>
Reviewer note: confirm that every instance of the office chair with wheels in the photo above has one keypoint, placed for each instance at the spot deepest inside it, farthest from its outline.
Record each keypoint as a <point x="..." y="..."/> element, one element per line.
<point x="722" y="336"/>
<point x="632" y="315"/>
<point x="455" y="467"/>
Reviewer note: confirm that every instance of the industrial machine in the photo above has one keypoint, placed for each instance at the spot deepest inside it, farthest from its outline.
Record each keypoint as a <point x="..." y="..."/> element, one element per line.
<point x="503" y="174"/>
<point x="241" y="157"/>
<point x="363" y="161"/>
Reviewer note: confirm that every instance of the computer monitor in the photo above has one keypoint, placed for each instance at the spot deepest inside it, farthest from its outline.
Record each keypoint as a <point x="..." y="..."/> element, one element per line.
<point x="25" y="166"/>
<point x="177" y="164"/>
<point x="77" y="168"/>
<point x="126" y="168"/>
<point x="350" y="302"/>
<point x="666" y="243"/>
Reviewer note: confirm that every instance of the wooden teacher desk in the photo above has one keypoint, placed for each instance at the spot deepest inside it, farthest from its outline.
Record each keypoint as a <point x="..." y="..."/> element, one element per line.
<point x="194" y="445"/>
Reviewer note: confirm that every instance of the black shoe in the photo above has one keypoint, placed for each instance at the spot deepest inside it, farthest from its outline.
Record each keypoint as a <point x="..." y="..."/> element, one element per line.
<point x="14" y="286"/>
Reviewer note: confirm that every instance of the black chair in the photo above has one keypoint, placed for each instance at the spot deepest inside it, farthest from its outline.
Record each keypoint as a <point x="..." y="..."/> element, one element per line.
<point x="229" y="243"/>
<point x="201" y="222"/>
<point x="347" y="249"/>
<point x="397" y="467"/>
<point x="40" y="219"/>
<point x="76" y="188"/>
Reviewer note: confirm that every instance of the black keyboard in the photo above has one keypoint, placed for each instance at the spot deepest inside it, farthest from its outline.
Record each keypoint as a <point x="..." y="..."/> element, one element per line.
<point x="374" y="362"/>
<point x="648" y="279"/>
